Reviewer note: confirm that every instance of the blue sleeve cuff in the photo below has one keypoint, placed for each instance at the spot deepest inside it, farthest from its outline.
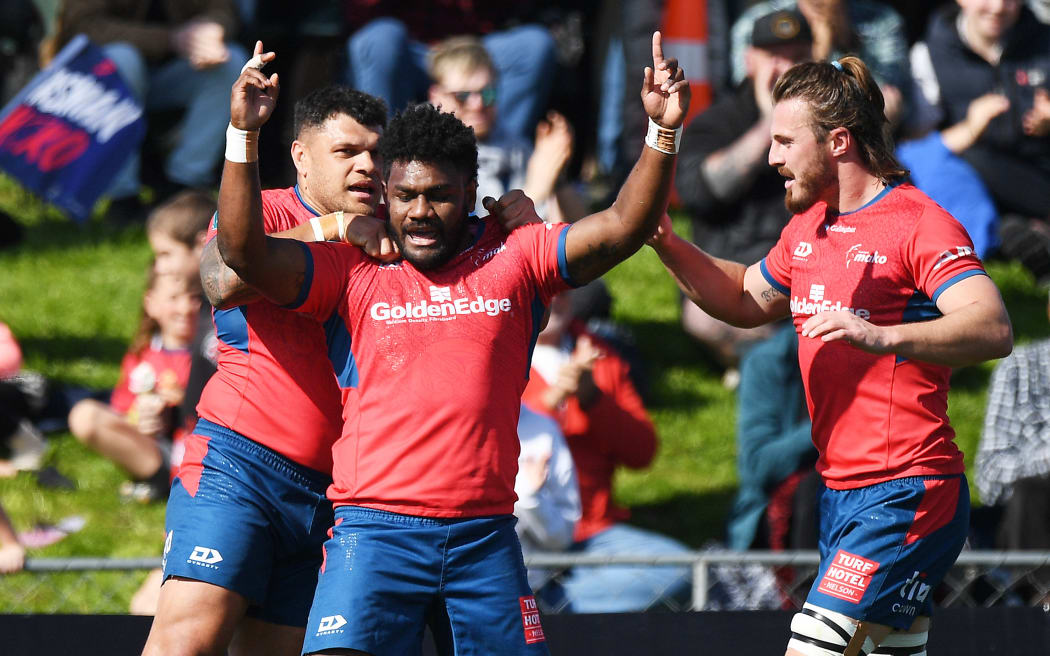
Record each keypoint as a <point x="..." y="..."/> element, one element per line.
<point x="563" y="262"/>
<point x="308" y="278"/>
<point x="954" y="279"/>
<point x="777" y="285"/>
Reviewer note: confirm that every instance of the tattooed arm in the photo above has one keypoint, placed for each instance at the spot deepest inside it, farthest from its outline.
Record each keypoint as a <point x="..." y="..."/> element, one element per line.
<point x="730" y="291"/>
<point x="225" y="289"/>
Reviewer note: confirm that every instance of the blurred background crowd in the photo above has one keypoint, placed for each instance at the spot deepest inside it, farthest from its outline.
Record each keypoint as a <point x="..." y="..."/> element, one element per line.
<point x="550" y="91"/>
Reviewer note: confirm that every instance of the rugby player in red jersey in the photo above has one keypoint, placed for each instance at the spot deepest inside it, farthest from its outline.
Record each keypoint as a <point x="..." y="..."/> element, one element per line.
<point x="424" y="472"/>
<point x="887" y="295"/>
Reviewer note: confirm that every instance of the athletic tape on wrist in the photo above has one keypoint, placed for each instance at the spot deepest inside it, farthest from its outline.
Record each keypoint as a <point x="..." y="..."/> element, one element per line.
<point x="663" y="139"/>
<point x="315" y="223"/>
<point x="341" y="222"/>
<point x="242" y="146"/>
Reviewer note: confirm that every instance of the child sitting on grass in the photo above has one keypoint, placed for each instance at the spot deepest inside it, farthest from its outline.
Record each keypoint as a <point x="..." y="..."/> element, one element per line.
<point x="135" y="429"/>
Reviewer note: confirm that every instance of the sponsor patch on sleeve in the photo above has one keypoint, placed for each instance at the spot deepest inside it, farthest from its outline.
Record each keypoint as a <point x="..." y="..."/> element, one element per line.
<point x="530" y="620"/>
<point x="848" y="576"/>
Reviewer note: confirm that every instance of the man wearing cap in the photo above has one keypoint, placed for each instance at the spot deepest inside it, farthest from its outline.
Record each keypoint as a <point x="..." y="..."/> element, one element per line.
<point x="735" y="199"/>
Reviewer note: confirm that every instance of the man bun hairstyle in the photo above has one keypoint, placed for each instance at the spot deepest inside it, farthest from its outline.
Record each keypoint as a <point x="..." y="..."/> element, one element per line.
<point x="843" y="93"/>
<point x="322" y="104"/>
<point x="424" y="133"/>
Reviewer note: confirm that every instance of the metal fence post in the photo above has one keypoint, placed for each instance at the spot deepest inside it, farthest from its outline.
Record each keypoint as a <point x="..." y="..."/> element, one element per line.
<point x="699" y="583"/>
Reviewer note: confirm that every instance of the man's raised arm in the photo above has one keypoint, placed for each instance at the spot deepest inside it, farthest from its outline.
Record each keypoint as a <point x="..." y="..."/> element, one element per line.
<point x="598" y="242"/>
<point x="275" y="267"/>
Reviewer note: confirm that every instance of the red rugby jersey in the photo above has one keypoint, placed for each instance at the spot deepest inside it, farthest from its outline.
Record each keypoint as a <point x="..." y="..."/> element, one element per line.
<point x="442" y="357"/>
<point x="875" y="417"/>
<point x="274" y="383"/>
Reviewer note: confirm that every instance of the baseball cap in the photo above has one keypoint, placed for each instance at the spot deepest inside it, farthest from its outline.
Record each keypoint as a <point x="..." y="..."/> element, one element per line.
<point x="780" y="28"/>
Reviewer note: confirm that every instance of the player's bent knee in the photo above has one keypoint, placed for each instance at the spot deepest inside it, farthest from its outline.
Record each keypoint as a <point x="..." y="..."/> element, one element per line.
<point x="817" y="631"/>
<point x="902" y="644"/>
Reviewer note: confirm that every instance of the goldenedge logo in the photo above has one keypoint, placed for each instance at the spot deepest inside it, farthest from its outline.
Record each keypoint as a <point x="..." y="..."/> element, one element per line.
<point x="442" y="311"/>
<point x="806" y="306"/>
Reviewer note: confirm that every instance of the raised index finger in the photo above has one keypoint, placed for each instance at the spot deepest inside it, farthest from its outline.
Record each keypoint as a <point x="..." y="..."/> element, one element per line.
<point x="658" y="49"/>
<point x="258" y="48"/>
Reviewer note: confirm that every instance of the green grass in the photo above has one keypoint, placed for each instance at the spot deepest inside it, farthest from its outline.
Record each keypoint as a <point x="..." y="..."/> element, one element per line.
<point x="71" y="294"/>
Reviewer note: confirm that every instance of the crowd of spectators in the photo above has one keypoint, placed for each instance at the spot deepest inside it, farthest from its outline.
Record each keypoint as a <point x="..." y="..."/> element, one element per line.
<point x="966" y="85"/>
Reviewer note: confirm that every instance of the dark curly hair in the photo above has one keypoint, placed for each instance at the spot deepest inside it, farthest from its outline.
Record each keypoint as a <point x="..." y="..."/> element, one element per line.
<point x="322" y="104"/>
<point x="424" y="133"/>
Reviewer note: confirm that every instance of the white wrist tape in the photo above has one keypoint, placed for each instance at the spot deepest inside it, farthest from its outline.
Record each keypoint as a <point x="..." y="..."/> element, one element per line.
<point x="242" y="146"/>
<point x="341" y="222"/>
<point x="315" y="223"/>
<point x="663" y="139"/>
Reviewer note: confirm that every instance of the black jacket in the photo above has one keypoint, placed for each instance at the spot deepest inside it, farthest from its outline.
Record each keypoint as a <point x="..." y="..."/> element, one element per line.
<point x="964" y="76"/>
<point x="745" y="229"/>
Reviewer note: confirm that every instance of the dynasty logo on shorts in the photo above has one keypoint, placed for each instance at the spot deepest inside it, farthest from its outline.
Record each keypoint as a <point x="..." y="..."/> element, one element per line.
<point x="205" y="557"/>
<point x="530" y="620"/>
<point x="330" y="625"/>
<point x="848" y="576"/>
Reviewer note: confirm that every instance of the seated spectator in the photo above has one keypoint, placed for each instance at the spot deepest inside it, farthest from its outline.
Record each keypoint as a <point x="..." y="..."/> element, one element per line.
<point x="20" y="440"/>
<point x="585" y="386"/>
<point x="734" y="198"/>
<point x="983" y="73"/>
<point x="775" y="452"/>
<point x="173" y="55"/>
<point x="12" y="553"/>
<point x="135" y="429"/>
<point x="464" y="84"/>
<point x="1013" y="456"/>
<point x="868" y="29"/>
<point x="177" y="231"/>
<point x="548" y="505"/>
<point x="390" y="41"/>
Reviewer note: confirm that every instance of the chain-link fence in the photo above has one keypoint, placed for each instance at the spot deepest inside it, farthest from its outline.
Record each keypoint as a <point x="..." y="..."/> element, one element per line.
<point x="704" y="580"/>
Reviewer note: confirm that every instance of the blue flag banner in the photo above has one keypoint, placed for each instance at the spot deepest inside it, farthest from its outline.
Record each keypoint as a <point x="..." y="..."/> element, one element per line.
<point x="67" y="134"/>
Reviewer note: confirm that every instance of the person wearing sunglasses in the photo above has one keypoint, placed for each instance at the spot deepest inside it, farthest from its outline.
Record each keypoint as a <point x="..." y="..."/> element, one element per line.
<point x="464" y="83"/>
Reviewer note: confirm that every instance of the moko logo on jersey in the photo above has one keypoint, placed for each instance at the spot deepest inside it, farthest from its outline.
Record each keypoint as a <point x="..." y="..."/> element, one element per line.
<point x="205" y="557"/>
<point x="950" y="255"/>
<point x="481" y="258"/>
<point x="817" y="303"/>
<point x="440" y="307"/>
<point x="331" y="624"/>
<point x="857" y="254"/>
<point x="803" y="250"/>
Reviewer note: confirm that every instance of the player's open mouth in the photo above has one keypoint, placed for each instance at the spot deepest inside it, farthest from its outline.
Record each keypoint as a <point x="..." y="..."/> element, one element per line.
<point x="788" y="183"/>
<point x="362" y="190"/>
<point x="422" y="237"/>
